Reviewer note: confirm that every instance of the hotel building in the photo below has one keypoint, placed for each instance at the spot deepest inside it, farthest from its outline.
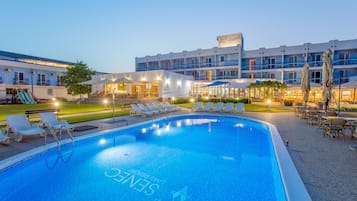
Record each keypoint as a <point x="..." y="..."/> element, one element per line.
<point x="40" y="76"/>
<point x="230" y="62"/>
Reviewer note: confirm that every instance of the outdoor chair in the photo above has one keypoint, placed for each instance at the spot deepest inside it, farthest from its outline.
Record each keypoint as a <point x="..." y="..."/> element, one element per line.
<point x="169" y="106"/>
<point x="240" y="108"/>
<point x="208" y="107"/>
<point x="136" y="110"/>
<point x="20" y="126"/>
<point x="198" y="106"/>
<point x="50" y="121"/>
<point x="4" y="139"/>
<point x="144" y="110"/>
<point x="153" y="109"/>
<point x="218" y="107"/>
<point x="160" y="107"/>
<point x="228" y="107"/>
<point x="336" y="127"/>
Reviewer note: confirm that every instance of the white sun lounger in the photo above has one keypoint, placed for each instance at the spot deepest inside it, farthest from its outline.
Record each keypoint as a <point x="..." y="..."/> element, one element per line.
<point x="138" y="111"/>
<point x="152" y="108"/>
<point x="240" y="108"/>
<point x="208" y="107"/>
<point x="144" y="111"/>
<point x="169" y="106"/>
<point x="198" y="106"/>
<point x="51" y="122"/>
<point x="21" y="126"/>
<point x="228" y="107"/>
<point x="218" y="107"/>
<point x="4" y="139"/>
<point x="158" y="107"/>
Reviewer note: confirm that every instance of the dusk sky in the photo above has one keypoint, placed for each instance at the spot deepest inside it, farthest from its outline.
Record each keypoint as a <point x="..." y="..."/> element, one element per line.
<point x="108" y="35"/>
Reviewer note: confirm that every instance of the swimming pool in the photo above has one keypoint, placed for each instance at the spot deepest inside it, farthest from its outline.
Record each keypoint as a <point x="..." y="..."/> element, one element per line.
<point x="191" y="157"/>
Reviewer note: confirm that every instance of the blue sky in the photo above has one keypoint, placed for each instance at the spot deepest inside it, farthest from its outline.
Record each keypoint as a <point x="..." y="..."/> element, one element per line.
<point x="108" y="35"/>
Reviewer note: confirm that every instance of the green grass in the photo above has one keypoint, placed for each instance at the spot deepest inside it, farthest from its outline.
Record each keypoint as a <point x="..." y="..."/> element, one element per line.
<point x="248" y="107"/>
<point x="83" y="118"/>
<point x="65" y="108"/>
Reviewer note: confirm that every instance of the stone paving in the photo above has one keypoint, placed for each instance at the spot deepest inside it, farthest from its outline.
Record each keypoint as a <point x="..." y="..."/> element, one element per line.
<point x="327" y="167"/>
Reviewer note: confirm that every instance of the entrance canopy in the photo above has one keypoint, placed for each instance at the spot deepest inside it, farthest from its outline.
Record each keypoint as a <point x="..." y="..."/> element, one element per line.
<point x="217" y="83"/>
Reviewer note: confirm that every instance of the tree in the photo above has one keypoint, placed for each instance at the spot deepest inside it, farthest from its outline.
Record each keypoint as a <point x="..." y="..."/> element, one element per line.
<point x="76" y="74"/>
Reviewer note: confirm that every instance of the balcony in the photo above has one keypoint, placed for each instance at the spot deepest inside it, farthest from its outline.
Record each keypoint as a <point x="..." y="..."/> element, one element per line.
<point x="43" y="82"/>
<point x="17" y="81"/>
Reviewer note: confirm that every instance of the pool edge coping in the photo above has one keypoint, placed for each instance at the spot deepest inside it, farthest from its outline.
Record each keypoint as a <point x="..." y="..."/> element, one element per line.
<point x="294" y="187"/>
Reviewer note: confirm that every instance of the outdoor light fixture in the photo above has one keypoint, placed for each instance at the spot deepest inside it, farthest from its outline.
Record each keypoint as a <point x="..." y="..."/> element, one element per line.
<point x="268" y="103"/>
<point x="173" y="100"/>
<point x="143" y="79"/>
<point x="167" y="81"/>
<point x="53" y="99"/>
<point x="105" y="101"/>
<point x="192" y="100"/>
<point x="158" y="78"/>
<point x="102" y="141"/>
<point x="56" y="106"/>
<point x="178" y="83"/>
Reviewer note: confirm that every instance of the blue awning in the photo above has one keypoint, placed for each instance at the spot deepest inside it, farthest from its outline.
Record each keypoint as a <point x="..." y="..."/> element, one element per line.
<point x="217" y="83"/>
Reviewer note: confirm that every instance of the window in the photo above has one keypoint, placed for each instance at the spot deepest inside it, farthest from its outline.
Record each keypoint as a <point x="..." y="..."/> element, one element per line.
<point x="49" y="92"/>
<point x="208" y="62"/>
<point x="252" y="63"/>
<point x="59" y="80"/>
<point x="291" y="78"/>
<point x="251" y="75"/>
<point x="292" y="61"/>
<point x="271" y="62"/>
<point x="342" y="58"/>
<point x="19" y="77"/>
<point x="41" y="79"/>
<point x="222" y="59"/>
<point x="316" y="60"/>
<point x="316" y="76"/>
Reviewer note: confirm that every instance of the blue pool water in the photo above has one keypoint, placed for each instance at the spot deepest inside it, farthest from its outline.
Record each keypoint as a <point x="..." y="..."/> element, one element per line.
<point x="194" y="157"/>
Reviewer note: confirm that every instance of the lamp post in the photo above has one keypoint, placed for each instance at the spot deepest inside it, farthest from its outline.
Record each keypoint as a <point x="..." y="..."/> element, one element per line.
<point x="56" y="106"/>
<point x="105" y="101"/>
<point x="268" y="104"/>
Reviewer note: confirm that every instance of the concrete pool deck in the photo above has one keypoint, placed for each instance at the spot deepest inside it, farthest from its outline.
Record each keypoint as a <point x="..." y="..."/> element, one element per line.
<point x="327" y="167"/>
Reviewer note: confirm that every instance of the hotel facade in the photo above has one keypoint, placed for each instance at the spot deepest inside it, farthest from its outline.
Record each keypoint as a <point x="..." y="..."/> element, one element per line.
<point x="230" y="62"/>
<point x="39" y="76"/>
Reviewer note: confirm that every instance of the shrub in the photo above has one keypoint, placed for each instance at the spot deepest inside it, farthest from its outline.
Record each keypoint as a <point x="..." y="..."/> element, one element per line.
<point x="288" y="102"/>
<point x="181" y="100"/>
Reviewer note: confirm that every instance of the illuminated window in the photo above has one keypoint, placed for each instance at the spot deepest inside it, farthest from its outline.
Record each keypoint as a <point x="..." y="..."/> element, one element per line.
<point x="209" y="75"/>
<point x="252" y="63"/>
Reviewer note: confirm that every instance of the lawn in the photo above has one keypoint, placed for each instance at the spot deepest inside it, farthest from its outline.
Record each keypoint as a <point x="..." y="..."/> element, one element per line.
<point x="65" y="108"/>
<point x="248" y="107"/>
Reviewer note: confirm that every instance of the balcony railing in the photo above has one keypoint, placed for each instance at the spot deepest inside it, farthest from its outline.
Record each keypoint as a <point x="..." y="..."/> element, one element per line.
<point x="297" y="64"/>
<point x="43" y="82"/>
<point x="25" y="81"/>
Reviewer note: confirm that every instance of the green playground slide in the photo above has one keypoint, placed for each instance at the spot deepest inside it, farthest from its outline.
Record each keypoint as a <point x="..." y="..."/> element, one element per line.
<point x="29" y="98"/>
<point x="22" y="97"/>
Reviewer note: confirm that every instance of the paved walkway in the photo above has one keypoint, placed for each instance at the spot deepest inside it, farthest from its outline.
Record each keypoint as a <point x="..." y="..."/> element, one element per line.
<point x="327" y="166"/>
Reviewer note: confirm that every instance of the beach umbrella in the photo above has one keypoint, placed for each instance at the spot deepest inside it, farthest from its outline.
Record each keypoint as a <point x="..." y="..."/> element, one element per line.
<point x="305" y="82"/>
<point x="327" y="78"/>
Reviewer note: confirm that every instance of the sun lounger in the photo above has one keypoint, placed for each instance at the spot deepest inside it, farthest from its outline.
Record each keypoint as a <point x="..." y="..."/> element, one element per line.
<point x="158" y="107"/>
<point x="20" y="125"/>
<point x="228" y="107"/>
<point x="218" y="107"/>
<point x="152" y="108"/>
<point x="208" y="107"/>
<point x="134" y="109"/>
<point x="240" y="108"/>
<point x="51" y="122"/>
<point x="4" y="139"/>
<point x="143" y="110"/>
<point x="139" y="111"/>
<point x="198" y="106"/>
<point x="171" y="106"/>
